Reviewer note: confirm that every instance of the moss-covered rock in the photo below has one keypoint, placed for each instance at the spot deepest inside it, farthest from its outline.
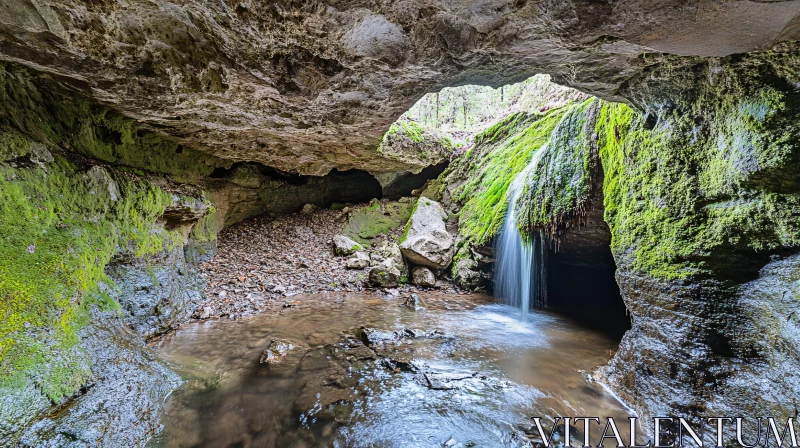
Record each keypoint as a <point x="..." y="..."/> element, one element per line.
<point x="46" y="112"/>
<point x="379" y="218"/>
<point x="62" y="220"/>
<point x="559" y="186"/>
<point x="702" y="198"/>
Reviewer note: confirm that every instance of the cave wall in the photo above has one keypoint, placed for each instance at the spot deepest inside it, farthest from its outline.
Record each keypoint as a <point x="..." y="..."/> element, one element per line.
<point x="702" y="197"/>
<point x="64" y="338"/>
<point x="83" y="196"/>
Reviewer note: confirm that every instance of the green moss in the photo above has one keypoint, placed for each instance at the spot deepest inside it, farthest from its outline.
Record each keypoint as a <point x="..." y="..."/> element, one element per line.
<point x="408" y="223"/>
<point x="60" y="224"/>
<point x="560" y="184"/>
<point x="380" y="218"/>
<point x="58" y="118"/>
<point x="501" y="153"/>
<point x="207" y="227"/>
<point x="691" y="187"/>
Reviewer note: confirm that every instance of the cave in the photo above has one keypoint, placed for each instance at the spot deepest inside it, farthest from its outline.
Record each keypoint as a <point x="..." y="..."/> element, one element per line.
<point x="155" y="158"/>
<point x="579" y="275"/>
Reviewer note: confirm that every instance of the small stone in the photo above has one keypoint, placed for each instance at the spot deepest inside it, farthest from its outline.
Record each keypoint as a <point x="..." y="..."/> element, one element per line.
<point x="343" y="245"/>
<point x="308" y="208"/>
<point x="359" y="260"/>
<point x="415" y="302"/>
<point x="207" y="312"/>
<point x="422" y="276"/>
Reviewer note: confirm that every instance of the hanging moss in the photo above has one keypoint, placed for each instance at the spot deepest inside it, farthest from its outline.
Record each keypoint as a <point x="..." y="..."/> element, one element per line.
<point x="501" y="152"/>
<point x="560" y="184"/>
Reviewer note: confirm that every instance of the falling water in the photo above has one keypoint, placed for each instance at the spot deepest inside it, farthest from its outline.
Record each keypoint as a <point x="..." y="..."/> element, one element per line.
<point x="515" y="271"/>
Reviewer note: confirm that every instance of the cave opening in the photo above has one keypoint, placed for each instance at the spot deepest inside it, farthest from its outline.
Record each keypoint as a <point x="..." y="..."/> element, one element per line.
<point x="579" y="274"/>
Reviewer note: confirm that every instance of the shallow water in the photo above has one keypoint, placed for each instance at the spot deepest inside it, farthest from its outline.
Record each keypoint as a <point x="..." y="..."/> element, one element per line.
<point x="463" y="368"/>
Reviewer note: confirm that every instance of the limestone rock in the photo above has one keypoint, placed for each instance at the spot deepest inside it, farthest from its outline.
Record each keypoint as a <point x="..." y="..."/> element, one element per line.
<point x="422" y="276"/>
<point x="391" y="251"/>
<point x="282" y="351"/>
<point x="415" y="302"/>
<point x="384" y="275"/>
<point x="359" y="260"/>
<point x="343" y="245"/>
<point x="427" y="242"/>
<point x="198" y="70"/>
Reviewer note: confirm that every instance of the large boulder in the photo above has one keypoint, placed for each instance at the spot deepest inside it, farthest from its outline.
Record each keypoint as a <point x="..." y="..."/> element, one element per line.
<point x="427" y="242"/>
<point x="422" y="276"/>
<point x="343" y="245"/>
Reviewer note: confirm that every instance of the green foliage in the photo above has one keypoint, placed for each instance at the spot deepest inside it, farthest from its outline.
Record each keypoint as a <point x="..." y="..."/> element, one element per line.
<point x="501" y="152"/>
<point x="560" y="184"/>
<point x="60" y="224"/>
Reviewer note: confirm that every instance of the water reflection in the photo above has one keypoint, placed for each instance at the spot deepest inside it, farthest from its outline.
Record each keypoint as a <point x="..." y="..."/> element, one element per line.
<point x="463" y="372"/>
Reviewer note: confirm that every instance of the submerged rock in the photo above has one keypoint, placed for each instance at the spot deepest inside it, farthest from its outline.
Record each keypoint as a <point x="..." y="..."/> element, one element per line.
<point x="422" y="276"/>
<point x="427" y="242"/>
<point x="343" y="245"/>
<point x="127" y="386"/>
<point x="283" y="351"/>
<point x="414" y="301"/>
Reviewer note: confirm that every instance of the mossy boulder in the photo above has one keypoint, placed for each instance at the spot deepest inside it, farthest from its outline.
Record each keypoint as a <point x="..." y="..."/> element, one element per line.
<point x="365" y="224"/>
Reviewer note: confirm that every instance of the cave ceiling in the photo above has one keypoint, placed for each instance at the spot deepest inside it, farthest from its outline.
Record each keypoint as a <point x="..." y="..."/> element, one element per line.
<point x="309" y="86"/>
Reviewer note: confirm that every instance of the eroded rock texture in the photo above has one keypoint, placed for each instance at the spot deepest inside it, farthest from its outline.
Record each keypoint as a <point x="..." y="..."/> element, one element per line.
<point x="312" y="86"/>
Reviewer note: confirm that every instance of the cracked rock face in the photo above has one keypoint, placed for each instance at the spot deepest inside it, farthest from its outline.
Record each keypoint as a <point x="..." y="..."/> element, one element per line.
<point x="311" y="86"/>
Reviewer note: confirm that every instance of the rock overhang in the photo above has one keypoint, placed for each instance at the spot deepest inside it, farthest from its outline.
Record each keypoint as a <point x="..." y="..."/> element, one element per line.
<point x="312" y="87"/>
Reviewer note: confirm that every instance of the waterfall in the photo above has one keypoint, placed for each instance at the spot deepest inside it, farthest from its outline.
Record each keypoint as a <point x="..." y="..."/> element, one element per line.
<point x="518" y="268"/>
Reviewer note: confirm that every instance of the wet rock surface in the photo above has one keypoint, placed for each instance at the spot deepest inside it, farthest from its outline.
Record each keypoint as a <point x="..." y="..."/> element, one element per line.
<point x="724" y="349"/>
<point x="122" y="403"/>
<point x="159" y="293"/>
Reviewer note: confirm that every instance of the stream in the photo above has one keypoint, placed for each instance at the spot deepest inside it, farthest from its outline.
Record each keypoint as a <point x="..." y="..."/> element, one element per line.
<point x="359" y="370"/>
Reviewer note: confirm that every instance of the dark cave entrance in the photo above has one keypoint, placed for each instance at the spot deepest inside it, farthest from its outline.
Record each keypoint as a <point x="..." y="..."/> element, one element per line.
<point x="578" y="279"/>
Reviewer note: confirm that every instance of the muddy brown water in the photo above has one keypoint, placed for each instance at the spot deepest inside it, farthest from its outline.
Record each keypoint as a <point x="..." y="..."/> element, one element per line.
<point x="461" y="372"/>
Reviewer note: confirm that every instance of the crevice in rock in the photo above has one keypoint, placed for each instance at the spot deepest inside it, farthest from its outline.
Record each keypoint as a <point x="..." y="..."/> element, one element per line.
<point x="405" y="183"/>
<point x="246" y="190"/>
<point x="579" y="273"/>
